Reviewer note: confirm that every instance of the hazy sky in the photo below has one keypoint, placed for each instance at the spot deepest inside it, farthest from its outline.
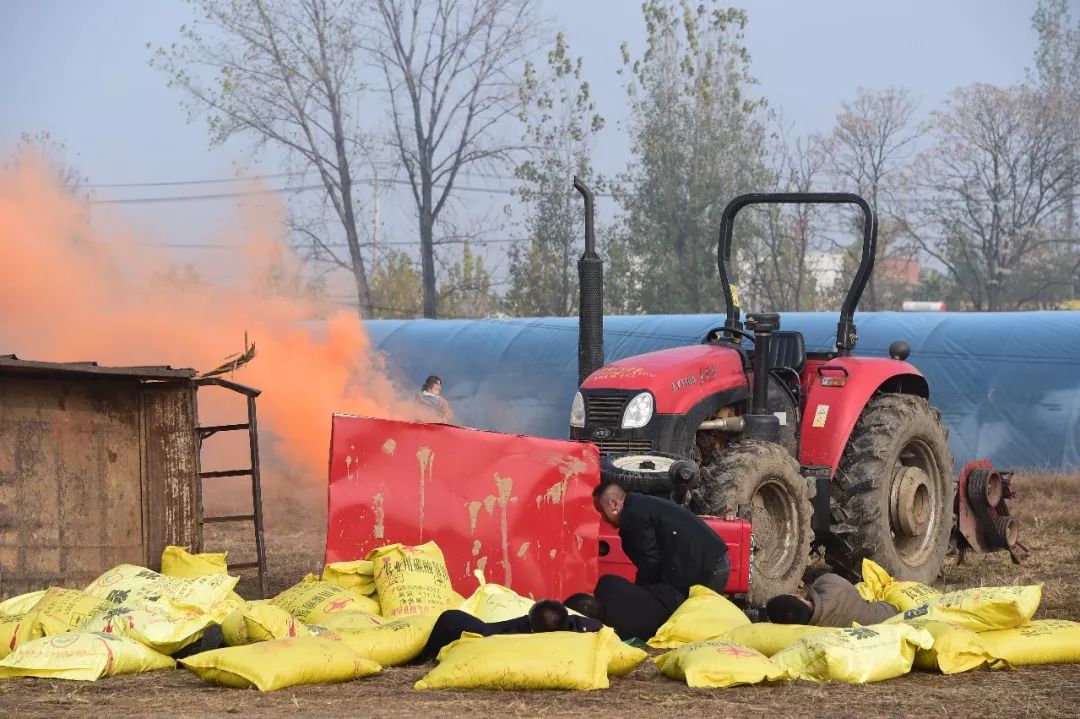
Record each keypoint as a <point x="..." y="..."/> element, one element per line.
<point x="78" y="69"/>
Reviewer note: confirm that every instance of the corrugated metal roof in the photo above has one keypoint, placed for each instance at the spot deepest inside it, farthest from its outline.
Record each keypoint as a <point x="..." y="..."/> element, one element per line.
<point x="10" y="364"/>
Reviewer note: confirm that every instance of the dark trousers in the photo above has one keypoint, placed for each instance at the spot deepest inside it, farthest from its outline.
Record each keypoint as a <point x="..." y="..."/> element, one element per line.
<point x="448" y="628"/>
<point x="451" y="623"/>
<point x="634" y="610"/>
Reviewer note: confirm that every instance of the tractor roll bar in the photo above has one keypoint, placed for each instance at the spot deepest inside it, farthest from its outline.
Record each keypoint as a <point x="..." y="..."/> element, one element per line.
<point x="845" y="330"/>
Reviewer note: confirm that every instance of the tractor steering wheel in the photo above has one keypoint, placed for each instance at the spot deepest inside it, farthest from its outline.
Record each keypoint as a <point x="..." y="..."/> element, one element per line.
<point x="719" y="332"/>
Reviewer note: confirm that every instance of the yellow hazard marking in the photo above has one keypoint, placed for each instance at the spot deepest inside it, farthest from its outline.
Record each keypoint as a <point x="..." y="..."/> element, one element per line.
<point x="820" y="415"/>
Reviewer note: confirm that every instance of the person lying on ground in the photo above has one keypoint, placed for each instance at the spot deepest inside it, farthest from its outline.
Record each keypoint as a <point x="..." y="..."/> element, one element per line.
<point x="547" y="615"/>
<point x="831" y="601"/>
<point x="586" y="605"/>
<point x="672" y="549"/>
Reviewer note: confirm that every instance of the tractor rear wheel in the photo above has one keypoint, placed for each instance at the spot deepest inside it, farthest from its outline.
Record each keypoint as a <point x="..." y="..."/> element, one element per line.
<point x="760" y="481"/>
<point x="893" y="493"/>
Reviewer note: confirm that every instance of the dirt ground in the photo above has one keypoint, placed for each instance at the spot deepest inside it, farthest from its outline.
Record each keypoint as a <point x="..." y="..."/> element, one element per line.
<point x="1049" y="507"/>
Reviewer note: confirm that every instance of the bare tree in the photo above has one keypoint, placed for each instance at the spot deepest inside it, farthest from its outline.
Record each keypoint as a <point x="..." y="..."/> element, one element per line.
<point x="868" y="149"/>
<point x="778" y="269"/>
<point x="1001" y="172"/>
<point x="452" y="75"/>
<point x="283" y="72"/>
<point x="54" y="153"/>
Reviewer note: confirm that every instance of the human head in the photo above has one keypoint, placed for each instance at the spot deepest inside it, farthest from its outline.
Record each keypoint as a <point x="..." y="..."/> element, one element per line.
<point x="432" y="384"/>
<point x="548" y="615"/>
<point x="608" y="499"/>
<point x="789" y="609"/>
<point x="585" y="604"/>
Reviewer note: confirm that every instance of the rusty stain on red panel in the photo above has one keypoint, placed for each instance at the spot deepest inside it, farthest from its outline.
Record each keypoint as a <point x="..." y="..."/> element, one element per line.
<point x="518" y="508"/>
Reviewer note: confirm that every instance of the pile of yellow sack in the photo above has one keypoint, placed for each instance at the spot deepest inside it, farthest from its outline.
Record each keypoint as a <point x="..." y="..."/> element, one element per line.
<point x="948" y="633"/>
<point x="351" y="621"/>
<point x="131" y="619"/>
<point x="357" y="617"/>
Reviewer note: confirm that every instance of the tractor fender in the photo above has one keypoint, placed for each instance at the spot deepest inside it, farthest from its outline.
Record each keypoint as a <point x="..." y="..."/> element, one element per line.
<point x="837" y="391"/>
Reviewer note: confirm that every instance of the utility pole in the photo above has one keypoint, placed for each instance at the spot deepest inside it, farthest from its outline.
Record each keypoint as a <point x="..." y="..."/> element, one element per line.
<point x="375" y="230"/>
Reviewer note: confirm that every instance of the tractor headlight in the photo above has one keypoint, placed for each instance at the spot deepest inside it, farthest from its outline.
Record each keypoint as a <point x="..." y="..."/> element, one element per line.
<point x="638" y="412"/>
<point x="577" y="411"/>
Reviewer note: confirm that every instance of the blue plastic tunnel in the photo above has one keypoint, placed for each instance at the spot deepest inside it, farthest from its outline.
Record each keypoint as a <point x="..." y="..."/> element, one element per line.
<point x="1008" y="384"/>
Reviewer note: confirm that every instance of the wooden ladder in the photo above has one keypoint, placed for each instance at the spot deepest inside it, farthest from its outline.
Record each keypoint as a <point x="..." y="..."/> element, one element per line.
<point x="256" y="516"/>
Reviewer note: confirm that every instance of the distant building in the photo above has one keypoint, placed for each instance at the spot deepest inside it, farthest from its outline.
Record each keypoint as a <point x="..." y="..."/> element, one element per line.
<point x="827" y="268"/>
<point x="904" y="270"/>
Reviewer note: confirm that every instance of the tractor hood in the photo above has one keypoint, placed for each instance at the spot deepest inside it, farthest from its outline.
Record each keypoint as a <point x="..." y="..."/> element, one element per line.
<point x="678" y="378"/>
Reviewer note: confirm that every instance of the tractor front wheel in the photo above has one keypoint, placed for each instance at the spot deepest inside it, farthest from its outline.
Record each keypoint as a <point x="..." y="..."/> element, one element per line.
<point x="760" y="481"/>
<point x="893" y="493"/>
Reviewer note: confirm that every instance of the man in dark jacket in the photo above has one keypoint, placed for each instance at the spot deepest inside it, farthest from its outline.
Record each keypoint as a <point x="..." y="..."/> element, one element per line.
<point x="547" y="615"/>
<point x="672" y="548"/>
<point x="831" y="601"/>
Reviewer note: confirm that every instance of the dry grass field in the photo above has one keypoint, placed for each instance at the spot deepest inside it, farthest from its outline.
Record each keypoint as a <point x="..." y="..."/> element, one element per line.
<point x="1048" y="505"/>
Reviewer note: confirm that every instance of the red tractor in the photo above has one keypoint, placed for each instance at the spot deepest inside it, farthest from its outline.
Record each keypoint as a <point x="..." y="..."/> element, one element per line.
<point x="827" y="451"/>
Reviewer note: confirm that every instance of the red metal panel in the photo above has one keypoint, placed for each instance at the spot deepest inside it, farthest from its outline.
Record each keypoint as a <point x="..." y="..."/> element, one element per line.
<point x="679" y="378"/>
<point x="520" y="508"/>
<point x="735" y="533"/>
<point x="831" y="411"/>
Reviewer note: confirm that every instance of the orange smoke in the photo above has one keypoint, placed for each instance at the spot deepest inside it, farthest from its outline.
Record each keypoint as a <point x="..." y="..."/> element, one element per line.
<point x="70" y="292"/>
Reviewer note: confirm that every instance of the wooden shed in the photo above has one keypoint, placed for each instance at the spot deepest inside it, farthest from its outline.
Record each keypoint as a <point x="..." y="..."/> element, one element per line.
<point x="98" y="466"/>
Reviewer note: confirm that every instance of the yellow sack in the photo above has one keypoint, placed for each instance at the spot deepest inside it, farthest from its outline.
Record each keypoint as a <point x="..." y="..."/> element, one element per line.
<point x="317" y="631"/>
<point x="412" y="580"/>
<point x="955" y="649"/>
<point x="981" y="610"/>
<point x="704" y="615"/>
<point x="859" y="655"/>
<point x="551" y="660"/>
<point x="358" y="575"/>
<point x="233" y="631"/>
<point x="715" y="664"/>
<point x="260" y="623"/>
<point x="770" y="638"/>
<point x="135" y="586"/>
<point x="346" y="622"/>
<point x="312" y="601"/>
<point x="878" y="586"/>
<point x="280" y="663"/>
<point x="494" y="602"/>
<point x="393" y="643"/>
<point x="83" y="656"/>
<point x="9" y="631"/>
<point x="1046" y="641"/>
<point x="61" y="611"/>
<point x="20" y="604"/>
<point x="624" y="658"/>
<point x="163" y="627"/>
<point x="179" y="562"/>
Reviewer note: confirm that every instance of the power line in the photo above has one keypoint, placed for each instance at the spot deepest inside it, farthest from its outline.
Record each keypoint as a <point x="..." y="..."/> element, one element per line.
<point x="212" y="181"/>
<point x="271" y="191"/>
<point x="257" y="178"/>
<point x="213" y="196"/>
<point x="334" y="245"/>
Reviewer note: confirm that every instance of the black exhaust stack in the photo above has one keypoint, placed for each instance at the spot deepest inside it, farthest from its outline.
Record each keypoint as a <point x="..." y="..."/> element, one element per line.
<point x="759" y="424"/>
<point x="591" y="302"/>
